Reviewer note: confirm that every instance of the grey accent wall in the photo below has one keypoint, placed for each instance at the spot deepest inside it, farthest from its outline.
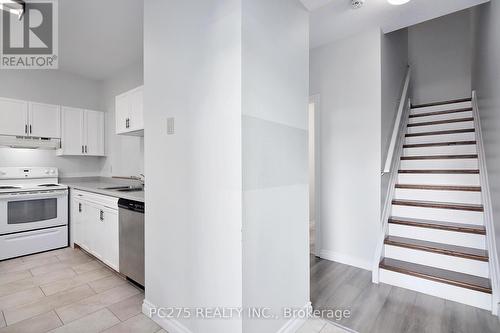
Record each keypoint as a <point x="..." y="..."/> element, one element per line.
<point x="394" y="53"/>
<point x="52" y="87"/>
<point x="275" y="103"/>
<point x="486" y="82"/>
<point x="347" y="75"/>
<point x="125" y="154"/>
<point x="440" y="54"/>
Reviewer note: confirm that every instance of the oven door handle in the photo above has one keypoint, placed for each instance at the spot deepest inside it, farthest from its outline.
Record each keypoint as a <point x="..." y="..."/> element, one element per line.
<point x="30" y="195"/>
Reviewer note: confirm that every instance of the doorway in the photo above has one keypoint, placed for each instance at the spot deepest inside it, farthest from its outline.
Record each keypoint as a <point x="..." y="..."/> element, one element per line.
<point x="313" y="160"/>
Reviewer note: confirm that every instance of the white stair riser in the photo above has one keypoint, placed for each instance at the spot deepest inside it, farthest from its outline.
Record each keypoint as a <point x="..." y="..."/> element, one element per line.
<point x="442" y="150"/>
<point x="438" y="214"/>
<point x="471" y="136"/>
<point x="438" y="289"/>
<point x="460" y="164"/>
<point x="445" y="107"/>
<point x="439" y="236"/>
<point x="440" y="127"/>
<point x="450" y="263"/>
<point x="439" y="179"/>
<point x="439" y="196"/>
<point x="448" y="116"/>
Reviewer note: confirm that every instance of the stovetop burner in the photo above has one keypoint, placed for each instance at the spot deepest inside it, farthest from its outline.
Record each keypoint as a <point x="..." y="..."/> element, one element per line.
<point x="9" y="187"/>
<point x="48" y="185"/>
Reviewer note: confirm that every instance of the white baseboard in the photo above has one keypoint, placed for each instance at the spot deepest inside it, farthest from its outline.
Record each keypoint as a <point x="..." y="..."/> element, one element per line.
<point x="294" y="324"/>
<point x="346" y="259"/>
<point x="169" y="324"/>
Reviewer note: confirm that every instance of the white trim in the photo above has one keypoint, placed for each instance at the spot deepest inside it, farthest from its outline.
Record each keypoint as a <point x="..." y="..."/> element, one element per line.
<point x="316" y="99"/>
<point x="391" y="190"/>
<point x="488" y="210"/>
<point x="169" y="324"/>
<point x="294" y="324"/>
<point x="346" y="259"/>
<point x="396" y="130"/>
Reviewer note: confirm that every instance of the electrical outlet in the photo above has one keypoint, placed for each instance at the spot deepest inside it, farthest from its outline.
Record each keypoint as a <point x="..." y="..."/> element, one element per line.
<point x="170" y="126"/>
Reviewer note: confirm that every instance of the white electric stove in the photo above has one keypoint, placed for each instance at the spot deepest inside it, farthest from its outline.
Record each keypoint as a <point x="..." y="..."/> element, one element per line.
<point x="33" y="211"/>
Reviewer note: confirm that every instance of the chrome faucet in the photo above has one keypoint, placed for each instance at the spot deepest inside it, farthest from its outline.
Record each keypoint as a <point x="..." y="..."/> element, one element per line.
<point x="141" y="178"/>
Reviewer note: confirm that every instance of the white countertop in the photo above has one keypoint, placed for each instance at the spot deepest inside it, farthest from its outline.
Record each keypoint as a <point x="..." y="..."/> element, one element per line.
<point x="96" y="185"/>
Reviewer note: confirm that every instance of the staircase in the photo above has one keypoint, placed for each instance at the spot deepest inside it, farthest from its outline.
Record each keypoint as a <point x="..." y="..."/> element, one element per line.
<point x="436" y="238"/>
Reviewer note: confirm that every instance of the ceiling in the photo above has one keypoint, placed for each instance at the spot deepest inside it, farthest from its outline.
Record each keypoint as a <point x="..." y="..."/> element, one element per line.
<point x="335" y="19"/>
<point x="97" y="38"/>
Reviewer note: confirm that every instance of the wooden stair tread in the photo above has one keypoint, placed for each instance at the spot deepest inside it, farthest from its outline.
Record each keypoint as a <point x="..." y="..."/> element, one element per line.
<point x="440" y="144"/>
<point x="453" y="101"/>
<point x="442" y="172"/>
<point x="438" y="113"/>
<point x="439" y="205"/>
<point x="439" y="157"/>
<point x="438" y="275"/>
<point x="439" y="187"/>
<point x="441" y="122"/>
<point x="459" y="131"/>
<point x="440" y="225"/>
<point x="445" y="249"/>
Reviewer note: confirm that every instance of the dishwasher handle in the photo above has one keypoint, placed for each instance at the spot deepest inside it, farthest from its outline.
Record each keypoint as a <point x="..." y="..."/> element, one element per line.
<point x="132" y="205"/>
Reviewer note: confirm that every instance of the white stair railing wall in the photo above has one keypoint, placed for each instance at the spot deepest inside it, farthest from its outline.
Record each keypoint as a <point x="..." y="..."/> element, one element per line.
<point x="488" y="209"/>
<point x="391" y="167"/>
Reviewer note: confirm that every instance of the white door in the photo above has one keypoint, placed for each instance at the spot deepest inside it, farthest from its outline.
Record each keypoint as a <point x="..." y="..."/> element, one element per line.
<point x="111" y="232"/>
<point x="13" y="117"/>
<point x="122" y="107"/>
<point x="72" y="131"/>
<point x="136" y="109"/>
<point x="94" y="136"/>
<point x="44" y="120"/>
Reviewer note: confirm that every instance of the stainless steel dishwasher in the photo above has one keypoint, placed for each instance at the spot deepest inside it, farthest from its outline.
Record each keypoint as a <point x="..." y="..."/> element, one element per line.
<point x="131" y="215"/>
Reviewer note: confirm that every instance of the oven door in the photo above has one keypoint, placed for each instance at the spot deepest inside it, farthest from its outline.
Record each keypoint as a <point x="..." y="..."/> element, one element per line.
<point x="33" y="210"/>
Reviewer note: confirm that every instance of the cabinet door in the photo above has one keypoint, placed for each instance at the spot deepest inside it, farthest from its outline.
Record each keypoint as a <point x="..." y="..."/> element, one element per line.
<point x="111" y="239"/>
<point x="136" y="100"/>
<point x="13" y="117"/>
<point x="75" y="221"/>
<point x="122" y="113"/>
<point x="94" y="135"/>
<point x="72" y="131"/>
<point x="85" y="223"/>
<point x="44" y="120"/>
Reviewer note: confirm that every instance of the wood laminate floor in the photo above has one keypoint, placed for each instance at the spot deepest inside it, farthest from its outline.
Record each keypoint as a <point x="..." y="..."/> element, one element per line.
<point x="387" y="309"/>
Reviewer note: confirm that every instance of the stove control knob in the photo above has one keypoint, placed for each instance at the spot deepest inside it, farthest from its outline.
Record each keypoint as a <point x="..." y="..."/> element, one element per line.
<point x="47" y="172"/>
<point x="3" y="173"/>
<point x="52" y="172"/>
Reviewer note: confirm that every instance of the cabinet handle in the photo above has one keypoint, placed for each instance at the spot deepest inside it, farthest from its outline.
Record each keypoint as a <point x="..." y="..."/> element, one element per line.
<point x="79" y="207"/>
<point x="26" y="129"/>
<point x="31" y="130"/>
<point x="85" y="149"/>
<point x="101" y="216"/>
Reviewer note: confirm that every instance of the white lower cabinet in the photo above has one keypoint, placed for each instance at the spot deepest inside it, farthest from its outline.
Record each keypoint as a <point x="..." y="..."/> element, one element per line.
<point x="94" y="226"/>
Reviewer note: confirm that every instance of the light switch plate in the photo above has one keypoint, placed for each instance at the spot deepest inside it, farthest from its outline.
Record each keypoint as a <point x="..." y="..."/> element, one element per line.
<point x="170" y="126"/>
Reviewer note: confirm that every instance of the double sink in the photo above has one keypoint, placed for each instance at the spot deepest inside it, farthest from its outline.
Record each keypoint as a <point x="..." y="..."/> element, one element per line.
<point x="124" y="188"/>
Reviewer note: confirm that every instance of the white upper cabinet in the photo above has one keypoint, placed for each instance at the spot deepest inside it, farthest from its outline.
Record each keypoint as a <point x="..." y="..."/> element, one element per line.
<point x="129" y="113"/>
<point x="13" y="117"/>
<point x="44" y="120"/>
<point x="94" y="140"/>
<point x="82" y="132"/>
<point x="21" y="118"/>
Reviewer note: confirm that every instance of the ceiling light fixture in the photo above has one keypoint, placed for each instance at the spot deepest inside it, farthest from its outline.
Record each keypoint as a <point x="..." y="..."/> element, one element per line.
<point x="357" y="3"/>
<point x="15" y="7"/>
<point x="398" y="2"/>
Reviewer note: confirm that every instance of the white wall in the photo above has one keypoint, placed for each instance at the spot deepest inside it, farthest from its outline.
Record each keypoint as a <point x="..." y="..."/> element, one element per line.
<point x="193" y="219"/>
<point x="53" y="87"/>
<point x="275" y="160"/>
<point x="347" y="75"/>
<point x="394" y="48"/>
<point x="487" y="84"/>
<point x="440" y="54"/>
<point x="125" y="154"/>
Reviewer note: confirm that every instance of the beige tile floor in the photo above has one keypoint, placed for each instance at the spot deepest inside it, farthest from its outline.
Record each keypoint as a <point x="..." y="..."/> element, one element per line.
<point x="67" y="291"/>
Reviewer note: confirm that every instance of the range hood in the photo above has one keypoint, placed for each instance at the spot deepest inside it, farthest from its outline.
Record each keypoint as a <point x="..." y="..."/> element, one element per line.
<point x="29" y="142"/>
